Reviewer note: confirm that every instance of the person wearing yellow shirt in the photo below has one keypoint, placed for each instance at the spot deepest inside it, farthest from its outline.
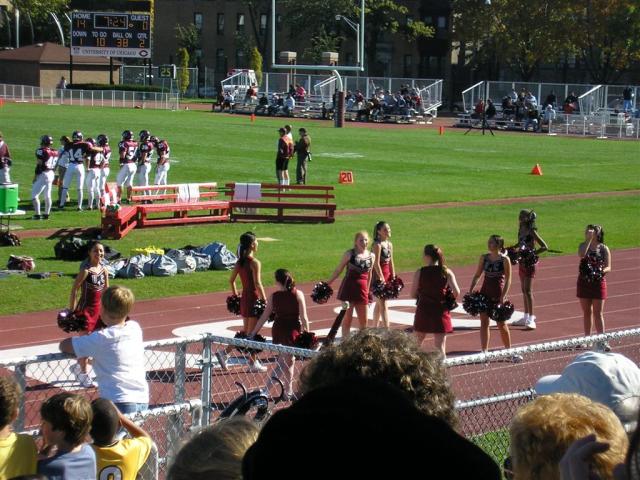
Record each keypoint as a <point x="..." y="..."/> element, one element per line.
<point x="18" y="453"/>
<point x="115" y="458"/>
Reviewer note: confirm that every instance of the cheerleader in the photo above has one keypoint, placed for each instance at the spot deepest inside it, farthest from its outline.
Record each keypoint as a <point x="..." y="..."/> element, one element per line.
<point x="527" y="238"/>
<point x="92" y="280"/>
<point x="496" y="267"/>
<point x="248" y="268"/>
<point x="592" y="292"/>
<point x="355" y="285"/>
<point x="429" y="287"/>
<point x="383" y="270"/>
<point x="289" y="308"/>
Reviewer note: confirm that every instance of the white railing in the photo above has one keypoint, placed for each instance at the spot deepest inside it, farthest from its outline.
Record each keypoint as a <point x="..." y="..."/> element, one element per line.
<point x="431" y="97"/>
<point x="92" y="98"/>
<point x="592" y="100"/>
<point x="472" y="95"/>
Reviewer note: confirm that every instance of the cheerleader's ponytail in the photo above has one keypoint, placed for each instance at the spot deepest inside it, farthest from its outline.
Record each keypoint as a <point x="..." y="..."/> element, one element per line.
<point x="244" y="248"/>
<point x="284" y="278"/>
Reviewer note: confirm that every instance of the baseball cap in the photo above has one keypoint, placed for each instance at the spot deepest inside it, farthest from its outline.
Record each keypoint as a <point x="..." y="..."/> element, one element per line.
<point x="355" y="416"/>
<point x="609" y="378"/>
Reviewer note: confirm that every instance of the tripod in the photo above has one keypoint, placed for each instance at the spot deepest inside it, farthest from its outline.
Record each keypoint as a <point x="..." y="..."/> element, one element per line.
<point x="485" y="125"/>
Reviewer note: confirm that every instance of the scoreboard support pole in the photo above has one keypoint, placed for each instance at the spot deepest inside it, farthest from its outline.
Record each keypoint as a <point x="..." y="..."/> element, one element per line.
<point x="70" y="67"/>
<point x="110" y="70"/>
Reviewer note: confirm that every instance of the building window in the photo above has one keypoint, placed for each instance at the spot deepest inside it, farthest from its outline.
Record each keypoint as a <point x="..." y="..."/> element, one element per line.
<point x="240" y="59"/>
<point x="198" y="53"/>
<point x="220" y="24"/>
<point x="221" y="61"/>
<point x="442" y="22"/>
<point x="409" y="20"/>
<point x="263" y="23"/>
<point x="349" y="59"/>
<point x="408" y="66"/>
<point x="278" y="22"/>
<point x="197" y="21"/>
<point x="428" y="20"/>
<point x="240" y="23"/>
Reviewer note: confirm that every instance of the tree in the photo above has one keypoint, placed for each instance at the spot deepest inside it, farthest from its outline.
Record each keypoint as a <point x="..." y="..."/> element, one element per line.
<point x="310" y="18"/>
<point x="322" y="42"/>
<point x="255" y="9"/>
<point x="188" y="37"/>
<point x="183" y="78"/>
<point x="255" y="63"/>
<point x="39" y="10"/>
<point x="606" y="35"/>
<point x="526" y="33"/>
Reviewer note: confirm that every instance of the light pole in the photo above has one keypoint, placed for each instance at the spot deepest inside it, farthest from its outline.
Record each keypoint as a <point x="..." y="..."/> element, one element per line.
<point x="356" y="28"/>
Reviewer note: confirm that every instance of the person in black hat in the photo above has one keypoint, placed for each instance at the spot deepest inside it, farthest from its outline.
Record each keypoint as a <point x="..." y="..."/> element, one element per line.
<point x="303" y="153"/>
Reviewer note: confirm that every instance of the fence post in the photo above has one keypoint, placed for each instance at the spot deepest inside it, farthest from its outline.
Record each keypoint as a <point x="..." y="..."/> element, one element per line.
<point x="21" y="380"/>
<point x="205" y="393"/>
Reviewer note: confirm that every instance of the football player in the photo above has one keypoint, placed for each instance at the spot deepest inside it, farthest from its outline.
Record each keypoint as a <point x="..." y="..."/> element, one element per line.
<point x="162" y="167"/>
<point x="78" y="152"/>
<point x="103" y="141"/>
<point x="94" y="166"/>
<point x="46" y="161"/>
<point x="145" y="152"/>
<point x="128" y="149"/>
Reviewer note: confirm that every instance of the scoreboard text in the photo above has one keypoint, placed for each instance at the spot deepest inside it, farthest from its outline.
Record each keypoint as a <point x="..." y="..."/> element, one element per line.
<point x="111" y="34"/>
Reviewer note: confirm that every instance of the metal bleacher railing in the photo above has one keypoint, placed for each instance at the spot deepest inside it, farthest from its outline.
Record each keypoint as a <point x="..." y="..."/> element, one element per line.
<point x="189" y="388"/>
<point x="90" y="98"/>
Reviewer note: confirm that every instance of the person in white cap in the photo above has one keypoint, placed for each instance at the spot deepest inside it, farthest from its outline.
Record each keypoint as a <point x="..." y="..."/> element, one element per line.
<point x="608" y="378"/>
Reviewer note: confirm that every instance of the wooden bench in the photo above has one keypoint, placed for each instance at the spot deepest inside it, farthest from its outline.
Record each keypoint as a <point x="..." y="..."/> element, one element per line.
<point x="183" y="213"/>
<point x="115" y="225"/>
<point x="290" y="202"/>
<point x="156" y="193"/>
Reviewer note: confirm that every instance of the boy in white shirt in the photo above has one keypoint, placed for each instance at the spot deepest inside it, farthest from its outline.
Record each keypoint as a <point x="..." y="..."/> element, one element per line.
<point x="117" y="352"/>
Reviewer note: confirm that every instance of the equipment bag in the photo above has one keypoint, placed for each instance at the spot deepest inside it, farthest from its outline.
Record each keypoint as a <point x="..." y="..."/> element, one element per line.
<point x="161" y="266"/>
<point x="185" y="263"/>
<point x="221" y="257"/>
<point x="135" y="267"/>
<point x="18" y="262"/>
<point x="9" y="239"/>
<point x="203" y="261"/>
<point x="71" y="248"/>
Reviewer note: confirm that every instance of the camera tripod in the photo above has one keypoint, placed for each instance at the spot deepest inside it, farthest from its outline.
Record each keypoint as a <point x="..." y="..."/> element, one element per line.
<point x="485" y="125"/>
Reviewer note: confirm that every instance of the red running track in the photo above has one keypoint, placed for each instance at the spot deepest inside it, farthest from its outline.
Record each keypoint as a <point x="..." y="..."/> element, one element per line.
<point x="557" y="309"/>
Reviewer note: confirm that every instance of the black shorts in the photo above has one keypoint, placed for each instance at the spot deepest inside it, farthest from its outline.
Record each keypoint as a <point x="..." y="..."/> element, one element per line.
<point x="282" y="163"/>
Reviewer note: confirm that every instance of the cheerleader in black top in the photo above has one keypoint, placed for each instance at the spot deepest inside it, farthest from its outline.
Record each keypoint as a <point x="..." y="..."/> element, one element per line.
<point x="383" y="269"/>
<point x="593" y="292"/>
<point x="496" y="267"/>
<point x="355" y="285"/>
<point x="528" y="237"/>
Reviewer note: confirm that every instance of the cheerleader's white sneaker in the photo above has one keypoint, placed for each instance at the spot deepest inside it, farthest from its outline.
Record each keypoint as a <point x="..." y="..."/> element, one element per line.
<point x="531" y="323"/>
<point x="522" y="322"/>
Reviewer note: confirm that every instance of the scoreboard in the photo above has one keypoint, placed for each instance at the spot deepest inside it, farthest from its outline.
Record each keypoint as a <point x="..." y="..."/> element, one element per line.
<point x="111" y="34"/>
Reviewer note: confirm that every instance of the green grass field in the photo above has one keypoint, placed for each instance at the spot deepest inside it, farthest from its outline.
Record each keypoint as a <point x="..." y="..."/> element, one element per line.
<point x="392" y="167"/>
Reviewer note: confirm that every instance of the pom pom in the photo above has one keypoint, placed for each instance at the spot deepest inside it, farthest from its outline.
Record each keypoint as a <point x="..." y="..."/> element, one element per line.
<point x="307" y="340"/>
<point x="514" y="255"/>
<point x="379" y="290"/>
<point x="70" y="321"/>
<point x="258" y="308"/>
<point x="256" y="338"/>
<point x="475" y="303"/>
<point x="393" y="287"/>
<point x="592" y="269"/>
<point x="321" y="293"/>
<point x="449" y="301"/>
<point x="233" y="304"/>
<point x="501" y="312"/>
<point x="528" y="257"/>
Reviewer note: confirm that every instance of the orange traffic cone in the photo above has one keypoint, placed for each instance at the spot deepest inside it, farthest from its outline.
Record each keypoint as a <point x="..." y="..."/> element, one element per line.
<point x="537" y="170"/>
<point x="441" y="130"/>
<point x="253" y="117"/>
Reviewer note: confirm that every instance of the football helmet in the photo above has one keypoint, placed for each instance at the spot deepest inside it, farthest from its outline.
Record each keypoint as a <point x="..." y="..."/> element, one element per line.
<point x="77" y="136"/>
<point x="127" y="135"/>
<point x="103" y="140"/>
<point x="46" y="140"/>
<point x="144" y="134"/>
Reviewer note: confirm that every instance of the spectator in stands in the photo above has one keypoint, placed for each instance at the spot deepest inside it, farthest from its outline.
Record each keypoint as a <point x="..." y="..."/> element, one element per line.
<point x="117" y="352"/>
<point x="263" y="105"/>
<point x="17" y="451"/>
<point x="228" y="102"/>
<point x="389" y="355"/>
<point x="369" y="421"/>
<point x="513" y="95"/>
<point x="216" y="452"/>
<point x="219" y="98"/>
<point x="608" y="378"/>
<point x="66" y="421"/>
<point x="531" y="99"/>
<point x="478" y="110"/>
<point x="549" y="114"/>
<point x="508" y="107"/>
<point x="543" y="430"/>
<point x="301" y="93"/>
<point x="125" y="456"/>
<point x="491" y="109"/>
<point x="570" y="103"/>
<point x="292" y="90"/>
<point x="627" y="100"/>
<point x="532" y="117"/>
<point x="550" y="100"/>
<point x="274" y="107"/>
<point x="302" y="150"/>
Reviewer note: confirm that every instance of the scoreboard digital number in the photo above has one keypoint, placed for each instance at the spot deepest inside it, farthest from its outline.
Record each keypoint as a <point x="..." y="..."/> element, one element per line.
<point x="111" y="34"/>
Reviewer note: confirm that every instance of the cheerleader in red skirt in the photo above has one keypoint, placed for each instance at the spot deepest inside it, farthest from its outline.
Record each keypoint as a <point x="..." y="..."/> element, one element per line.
<point x="496" y="267"/>
<point x="92" y="280"/>
<point x="528" y="236"/>
<point x="429" y="288"/>
<point x="248" y="269"/>
<point x="290" y="316"/>
<point x="383" y="269"/>
<point x="593" y="292"/>
<point x="355" y="285"/>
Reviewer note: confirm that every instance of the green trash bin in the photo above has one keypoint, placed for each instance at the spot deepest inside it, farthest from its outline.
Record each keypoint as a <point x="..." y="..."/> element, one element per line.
<point x="9" y="198"/>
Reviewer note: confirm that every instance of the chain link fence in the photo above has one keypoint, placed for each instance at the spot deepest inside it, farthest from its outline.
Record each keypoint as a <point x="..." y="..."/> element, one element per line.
<point x="194" y="381"/>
